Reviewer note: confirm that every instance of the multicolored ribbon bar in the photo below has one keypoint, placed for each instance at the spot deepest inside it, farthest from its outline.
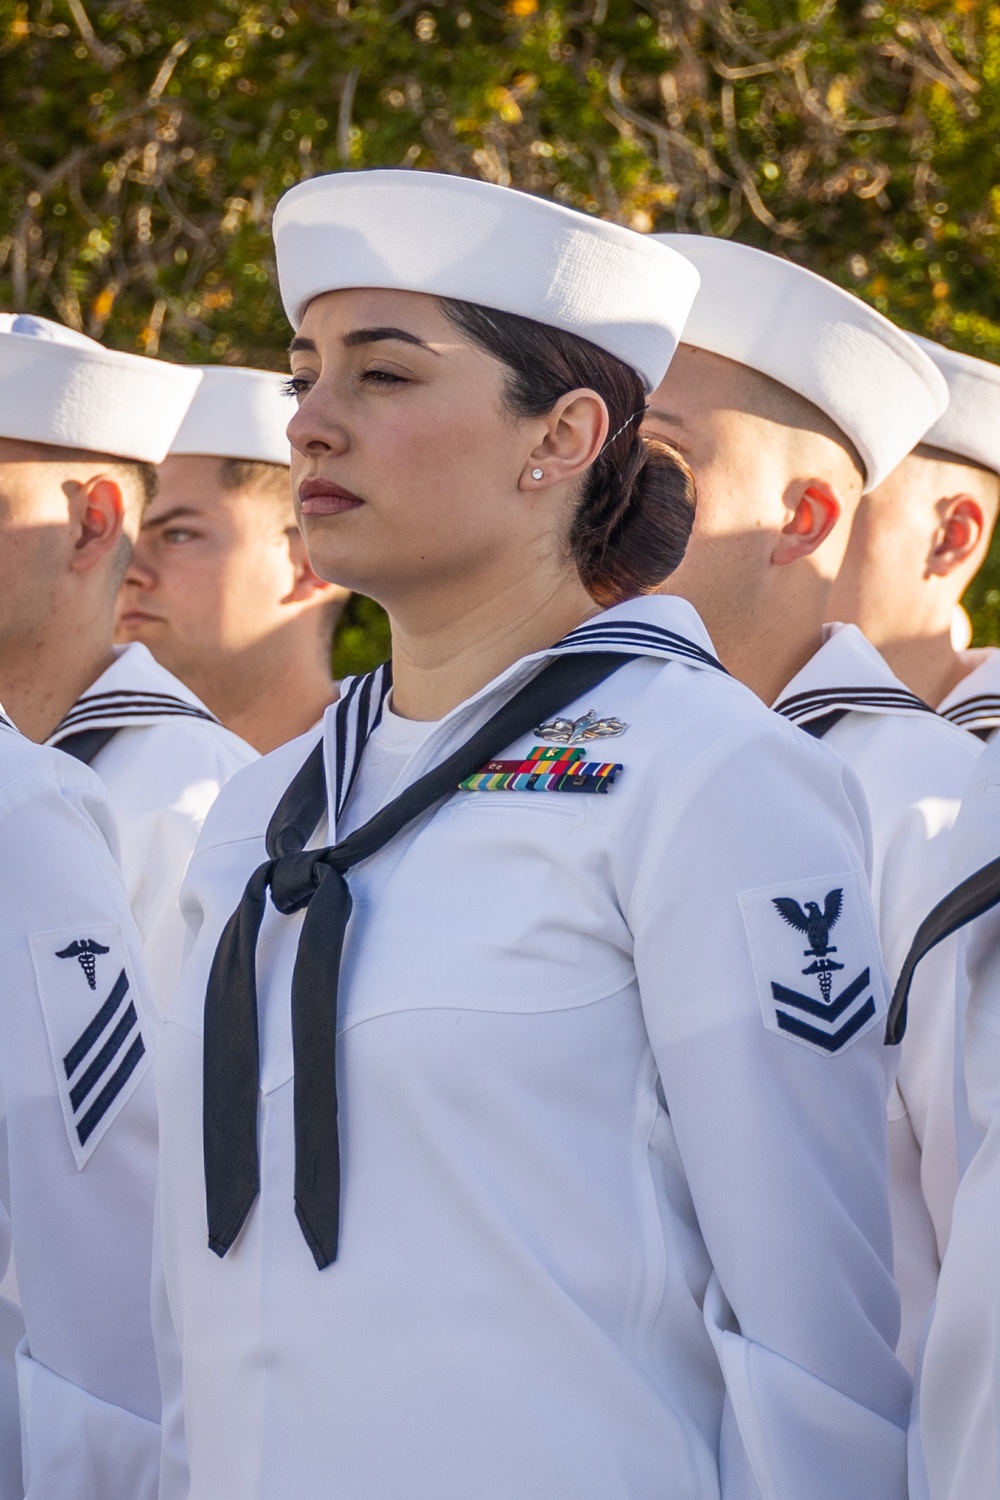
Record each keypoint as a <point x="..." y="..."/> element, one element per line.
<point x="545" y="769"/>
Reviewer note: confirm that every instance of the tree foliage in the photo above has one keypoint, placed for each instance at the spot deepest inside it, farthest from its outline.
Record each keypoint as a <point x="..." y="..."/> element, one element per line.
<point x="144" y="143"/>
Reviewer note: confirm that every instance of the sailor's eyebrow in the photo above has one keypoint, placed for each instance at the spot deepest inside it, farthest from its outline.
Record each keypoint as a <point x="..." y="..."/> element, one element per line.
<point x="664" y="416"/>
<point x="360" y="336"/>
<point x="179" y="512"/>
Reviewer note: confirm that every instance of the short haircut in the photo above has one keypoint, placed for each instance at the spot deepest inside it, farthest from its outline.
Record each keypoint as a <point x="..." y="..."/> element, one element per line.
<point x="944" y="456"/>
<point x="142" y="480"/>
<point x="269" y="482"/>
<point x="764" y="397"/>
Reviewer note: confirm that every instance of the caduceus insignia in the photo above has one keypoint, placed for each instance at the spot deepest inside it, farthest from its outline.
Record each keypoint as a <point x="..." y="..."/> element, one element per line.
<point x="579" y="731"/>
<point x="86" y="950"/>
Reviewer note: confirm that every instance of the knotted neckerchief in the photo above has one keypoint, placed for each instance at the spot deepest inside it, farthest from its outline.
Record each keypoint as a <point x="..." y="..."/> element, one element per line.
<point x="961" y="906"/>
<point x="315" y="879"/>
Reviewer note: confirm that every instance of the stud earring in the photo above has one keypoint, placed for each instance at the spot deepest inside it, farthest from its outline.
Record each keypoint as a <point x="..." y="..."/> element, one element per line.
<point x="537" y="474"/>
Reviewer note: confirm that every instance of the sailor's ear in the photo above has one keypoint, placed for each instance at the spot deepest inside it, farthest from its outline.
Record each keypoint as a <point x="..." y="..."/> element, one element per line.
<point x="307" y="586"/>
<point x="815" y="510"/>
<point x="97" y="514"/>
<point x="961" y="528"/>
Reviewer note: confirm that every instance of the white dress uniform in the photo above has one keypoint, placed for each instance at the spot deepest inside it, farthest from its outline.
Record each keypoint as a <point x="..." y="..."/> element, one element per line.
<point x="614" y="1218"/>
<point x="975" y="703"/>
<point x="78" y="1159"/>
<point x="914" y="769"/>
<point x="959" y="1397"/>
<point x="163" y="760"/>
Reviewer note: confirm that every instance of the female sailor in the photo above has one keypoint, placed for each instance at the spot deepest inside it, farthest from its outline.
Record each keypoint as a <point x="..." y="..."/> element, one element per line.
<point x="524" y="1098"/>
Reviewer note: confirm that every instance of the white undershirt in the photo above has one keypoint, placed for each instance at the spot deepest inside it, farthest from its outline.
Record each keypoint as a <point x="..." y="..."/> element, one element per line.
<point x="390" y="745"/>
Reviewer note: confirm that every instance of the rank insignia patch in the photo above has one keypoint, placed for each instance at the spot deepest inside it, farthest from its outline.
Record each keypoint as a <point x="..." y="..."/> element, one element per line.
<point x="95" y="1035"/>
<point x="812" y="990"/>
<point x="544" y="770"/>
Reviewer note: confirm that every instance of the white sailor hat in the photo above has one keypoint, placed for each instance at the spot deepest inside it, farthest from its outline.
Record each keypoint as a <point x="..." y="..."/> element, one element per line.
<point x="970" y="428"/>
<point x="58" y="386"/>
<point x="813" y="337"/>
<point x="476" y="242"/>
<point x="238" y="413"/>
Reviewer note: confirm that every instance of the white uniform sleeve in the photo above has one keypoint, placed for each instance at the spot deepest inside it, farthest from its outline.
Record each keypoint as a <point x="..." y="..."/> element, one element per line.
<point x="775" y="1078"/>
<point x="79" y="1034"/>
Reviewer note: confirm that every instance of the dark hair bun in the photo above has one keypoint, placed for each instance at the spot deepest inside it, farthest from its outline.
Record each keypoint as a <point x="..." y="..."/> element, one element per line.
<point x="634" y="521"/>
<point x="636" y="506"/>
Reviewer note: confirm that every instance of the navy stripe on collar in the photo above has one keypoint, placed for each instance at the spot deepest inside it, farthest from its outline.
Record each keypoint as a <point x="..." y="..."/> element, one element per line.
<point x="98" y="708"/>
<point x="803" y="706"/>
<point x="357" y="713"/>
<point x="632" y="633"/>
<point x="982" y="710"/>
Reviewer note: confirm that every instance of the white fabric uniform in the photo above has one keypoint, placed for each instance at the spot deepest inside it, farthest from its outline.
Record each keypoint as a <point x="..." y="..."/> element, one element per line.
<point x="959" y="1425"/>
<point x="975" y="703"/>
<point x="78" y="1157"/>
<point x="914" y="769"/>
<point x="612" y="1228"/>
<point x="162" y="770"/>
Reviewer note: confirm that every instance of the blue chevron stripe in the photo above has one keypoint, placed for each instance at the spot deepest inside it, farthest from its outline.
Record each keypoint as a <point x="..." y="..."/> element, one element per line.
<point x="829" y="1041"/>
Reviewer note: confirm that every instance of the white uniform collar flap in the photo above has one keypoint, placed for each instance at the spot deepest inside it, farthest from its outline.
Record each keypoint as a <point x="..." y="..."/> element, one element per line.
<point x="846" y="674"/>
<point x="134" y="691"/>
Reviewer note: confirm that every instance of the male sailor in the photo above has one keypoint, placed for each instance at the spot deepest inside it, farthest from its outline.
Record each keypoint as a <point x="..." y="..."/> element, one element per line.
<point x="219" y="585"/>
<point x="789" y="397"/>
<point x="917" y="541"/>
<point x="78" y="1135"/>
<point x="523" y="1099"/>
<point x="71" y="501"/>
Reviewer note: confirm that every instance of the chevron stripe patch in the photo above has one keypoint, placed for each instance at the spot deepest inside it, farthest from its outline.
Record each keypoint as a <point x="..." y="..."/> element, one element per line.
<point x="99" y="1053"/>
<point x="816" y="961"/>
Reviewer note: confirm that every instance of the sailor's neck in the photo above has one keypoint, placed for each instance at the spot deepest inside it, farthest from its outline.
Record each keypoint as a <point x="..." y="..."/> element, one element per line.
<point x="929" y="665"/>
<point x="444" y="655"/>
<point x="767" y="653"/>
<point x="267" y="703"/>
<point x="42" y="678"/>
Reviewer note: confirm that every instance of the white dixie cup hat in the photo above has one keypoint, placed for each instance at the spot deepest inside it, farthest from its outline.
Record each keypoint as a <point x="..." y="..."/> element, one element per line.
<point x="970" y="428"/>
<point x="238" y="413"/>
<point x="864" y="373"/>
<point x="473" y="241"/>
<point x="60" y="387"/>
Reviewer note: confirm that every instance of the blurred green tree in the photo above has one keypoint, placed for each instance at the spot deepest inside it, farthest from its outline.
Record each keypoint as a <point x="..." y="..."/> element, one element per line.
<point x="143" y="144"/>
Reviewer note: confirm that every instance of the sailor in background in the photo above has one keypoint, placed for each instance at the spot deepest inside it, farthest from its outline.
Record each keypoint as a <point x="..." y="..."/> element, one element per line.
<point x="219" y="585"/>
<point x="955" y="1451"/>
<point x="575" y="930"/>
<point x="80" y="432"/>
<point x="789" y="398"/>
<point x="78" y="1130"/>
<point x="917" y="541"/>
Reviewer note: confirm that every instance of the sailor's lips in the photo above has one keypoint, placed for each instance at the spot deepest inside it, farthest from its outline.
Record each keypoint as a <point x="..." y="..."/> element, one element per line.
<point x="321" y="497"/>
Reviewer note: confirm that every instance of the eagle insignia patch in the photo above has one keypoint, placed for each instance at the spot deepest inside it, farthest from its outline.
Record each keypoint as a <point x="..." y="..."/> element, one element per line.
<point x="812" y="990"/>
<point x="95" y="1033"/>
